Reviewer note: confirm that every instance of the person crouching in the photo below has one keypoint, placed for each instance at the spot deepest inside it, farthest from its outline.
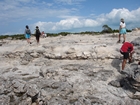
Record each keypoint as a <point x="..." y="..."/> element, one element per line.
<point x="127" y="50"/>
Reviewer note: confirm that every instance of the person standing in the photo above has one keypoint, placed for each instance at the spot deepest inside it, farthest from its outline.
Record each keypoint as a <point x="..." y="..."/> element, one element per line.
<point x="27" y="34"/>
<point x="122" y="31"/>
<point x="37" y="34"/>
<point x="43" y="34"/>
<point x="127" y="50"/>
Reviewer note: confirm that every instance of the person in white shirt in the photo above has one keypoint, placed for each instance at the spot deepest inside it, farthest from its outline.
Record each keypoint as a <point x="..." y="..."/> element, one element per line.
<point x="44" y="35"/>
<point x="122" y="31"/>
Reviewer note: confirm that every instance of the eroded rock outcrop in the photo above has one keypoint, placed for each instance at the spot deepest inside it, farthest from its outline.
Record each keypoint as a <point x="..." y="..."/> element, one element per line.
<point x="70" y="70"/>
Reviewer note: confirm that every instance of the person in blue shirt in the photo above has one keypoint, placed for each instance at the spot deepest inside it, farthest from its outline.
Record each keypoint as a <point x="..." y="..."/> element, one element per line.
<point x="27" y="34"/>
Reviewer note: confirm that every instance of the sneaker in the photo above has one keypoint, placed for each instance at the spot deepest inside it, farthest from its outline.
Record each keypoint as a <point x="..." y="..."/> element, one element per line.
<point x="122" y="72"/>
<point x="130" y="61"/>
<point x="123" y="41"/>
<point x="118" y="41"/>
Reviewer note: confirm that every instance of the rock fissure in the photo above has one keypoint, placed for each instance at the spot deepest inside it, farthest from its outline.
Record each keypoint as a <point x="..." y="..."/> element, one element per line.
<point x="68" y="70"/>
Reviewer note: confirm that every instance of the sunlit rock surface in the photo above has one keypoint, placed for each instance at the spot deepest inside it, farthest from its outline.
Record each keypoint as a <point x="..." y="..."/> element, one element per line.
<point x="68" y="70"/>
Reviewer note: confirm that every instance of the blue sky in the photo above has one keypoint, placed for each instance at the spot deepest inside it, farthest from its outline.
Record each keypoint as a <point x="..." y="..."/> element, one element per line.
<point x="54" y="16"/>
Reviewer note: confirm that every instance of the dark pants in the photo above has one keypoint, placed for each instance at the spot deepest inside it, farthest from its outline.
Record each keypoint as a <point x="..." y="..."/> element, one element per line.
<point x="37" y="38"/>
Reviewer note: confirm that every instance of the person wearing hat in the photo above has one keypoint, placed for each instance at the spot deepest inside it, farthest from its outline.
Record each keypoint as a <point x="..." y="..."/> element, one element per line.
<point x="122" y="31"/>
<point x="127" y="50"/>
<point x="37" y="34"/>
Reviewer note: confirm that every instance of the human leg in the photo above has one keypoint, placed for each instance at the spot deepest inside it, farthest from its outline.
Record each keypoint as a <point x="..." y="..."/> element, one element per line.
<point x="37" y="39"/>
<point x="124" y="63"/>
<point x="119" y="38"/>
<point x="28" y="38"/>
<point x="124" y="38"/>
<point x="123" y="32"/>
<point x="125" y="57"/>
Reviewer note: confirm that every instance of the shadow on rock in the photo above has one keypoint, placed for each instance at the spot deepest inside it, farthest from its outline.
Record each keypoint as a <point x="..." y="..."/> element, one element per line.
<point x="130" y="82"/>
<point x="116" y="64"/>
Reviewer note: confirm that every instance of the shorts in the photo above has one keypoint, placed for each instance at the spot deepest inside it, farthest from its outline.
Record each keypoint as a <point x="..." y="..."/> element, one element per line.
<point x="125" y="55"/>
<point x="27" y="36"/>
<point x="123" y="31"/>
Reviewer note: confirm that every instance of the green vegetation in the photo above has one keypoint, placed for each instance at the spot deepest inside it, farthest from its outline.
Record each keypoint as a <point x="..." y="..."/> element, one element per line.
<point x="61" y="33"/>
<point x="106" y="29"/>
<point x="13" y="37"/>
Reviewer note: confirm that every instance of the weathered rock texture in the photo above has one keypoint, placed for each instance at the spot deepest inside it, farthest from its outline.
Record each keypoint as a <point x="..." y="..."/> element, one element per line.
<point x="68" y="70"/>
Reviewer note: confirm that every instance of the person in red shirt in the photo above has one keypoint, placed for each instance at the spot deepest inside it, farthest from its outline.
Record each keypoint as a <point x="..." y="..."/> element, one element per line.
<point x="127" y="51"/>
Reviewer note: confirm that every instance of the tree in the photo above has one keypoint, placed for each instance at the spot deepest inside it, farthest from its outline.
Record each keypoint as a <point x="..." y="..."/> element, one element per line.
<point x="106" y="29"/>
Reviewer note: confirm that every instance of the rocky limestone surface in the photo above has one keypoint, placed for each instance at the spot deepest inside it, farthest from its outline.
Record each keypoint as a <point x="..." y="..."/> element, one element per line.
<point x="68" y="70"/>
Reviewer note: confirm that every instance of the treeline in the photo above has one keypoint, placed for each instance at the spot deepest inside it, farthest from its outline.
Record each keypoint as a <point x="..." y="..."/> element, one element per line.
<point x="12" y="37"/>
<point x="106" y="29"/>
<point x="21" y="36"/>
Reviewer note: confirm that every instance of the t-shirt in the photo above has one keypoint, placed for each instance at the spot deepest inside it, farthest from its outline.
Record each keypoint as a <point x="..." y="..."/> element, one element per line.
<point x="27" y="31"/>
<point x="127" y="47"/>
<point x="44" y="35"/>
<point x="122" y="25"/>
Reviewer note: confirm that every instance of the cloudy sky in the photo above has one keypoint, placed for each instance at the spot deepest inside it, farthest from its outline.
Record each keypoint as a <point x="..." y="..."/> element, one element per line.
<point x="54" y="16"/>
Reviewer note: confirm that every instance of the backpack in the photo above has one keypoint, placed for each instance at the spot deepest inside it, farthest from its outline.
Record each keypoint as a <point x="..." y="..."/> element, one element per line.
<point x="38" y="32"/>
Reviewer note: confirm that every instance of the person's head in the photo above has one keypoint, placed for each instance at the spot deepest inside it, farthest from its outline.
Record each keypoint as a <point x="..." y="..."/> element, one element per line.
<point x="122" y="20"/>
<point x="37" y="27"/>
<point x="27" y="26"/>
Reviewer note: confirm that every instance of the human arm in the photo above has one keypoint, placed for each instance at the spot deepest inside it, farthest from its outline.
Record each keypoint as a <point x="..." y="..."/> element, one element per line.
<point x="131" y="54"/>
<point x="132" y="49"/>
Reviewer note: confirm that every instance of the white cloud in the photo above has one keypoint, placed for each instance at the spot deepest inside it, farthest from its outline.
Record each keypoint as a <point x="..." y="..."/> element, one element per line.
<point x="130" y="17"/>
<point x="43" y="26"/>
<point x="50" y="18"/>
<point x="66" y="24"/>
<point x="112" y="19"/>
<point x="120" y="13"/>
<point x="90" y="23"/>
<point x="16" y="11"/>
